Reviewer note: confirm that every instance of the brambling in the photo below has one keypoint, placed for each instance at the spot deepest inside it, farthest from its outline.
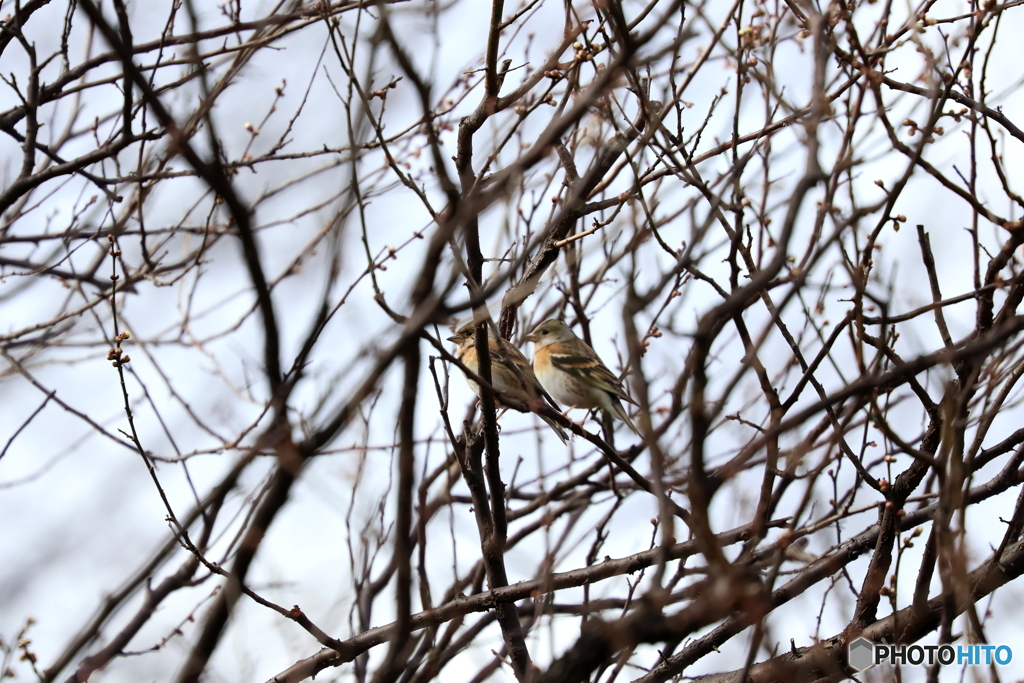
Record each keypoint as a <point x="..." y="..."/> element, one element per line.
<point x="573" y="373"/>
<point x="511" y="373"/>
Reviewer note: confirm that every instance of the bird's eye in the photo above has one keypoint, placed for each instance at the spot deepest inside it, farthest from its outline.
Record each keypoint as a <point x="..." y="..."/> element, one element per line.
<point x="544" y="332"/>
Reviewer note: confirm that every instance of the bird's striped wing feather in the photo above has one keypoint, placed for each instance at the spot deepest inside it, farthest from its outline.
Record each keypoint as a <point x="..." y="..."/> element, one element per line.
<point x="593" y="372"/>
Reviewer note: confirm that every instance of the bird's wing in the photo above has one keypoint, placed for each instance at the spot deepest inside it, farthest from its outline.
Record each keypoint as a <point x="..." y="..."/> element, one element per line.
<point x="515" y="369"/>
<point x="514" y="353"/>
<point x="591" y="370"/>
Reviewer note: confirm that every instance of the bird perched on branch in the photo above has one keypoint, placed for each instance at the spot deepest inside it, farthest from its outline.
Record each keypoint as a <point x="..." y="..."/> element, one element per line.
<point x="573" y="373"/>
<point x="511" y="373"/>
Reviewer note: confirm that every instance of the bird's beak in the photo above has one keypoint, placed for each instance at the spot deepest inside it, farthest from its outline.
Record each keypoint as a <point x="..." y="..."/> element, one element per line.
<point x="457" y="338"/>
<point x="530" y="338"/>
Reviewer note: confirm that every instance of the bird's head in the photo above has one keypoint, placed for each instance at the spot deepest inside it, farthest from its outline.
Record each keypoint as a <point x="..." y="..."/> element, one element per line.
<point x="550" y="332"/>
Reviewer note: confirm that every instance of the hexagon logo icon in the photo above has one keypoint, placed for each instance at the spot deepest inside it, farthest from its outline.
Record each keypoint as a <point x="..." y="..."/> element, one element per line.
<point x="861" y="654"/>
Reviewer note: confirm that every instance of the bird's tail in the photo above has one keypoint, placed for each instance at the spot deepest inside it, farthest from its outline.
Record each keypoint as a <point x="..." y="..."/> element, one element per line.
<point x="556" y="428"/>
<point x="620" y="412"/>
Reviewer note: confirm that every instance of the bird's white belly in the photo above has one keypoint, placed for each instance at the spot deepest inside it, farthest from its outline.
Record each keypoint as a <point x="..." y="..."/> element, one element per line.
<point x="564" y="389"/>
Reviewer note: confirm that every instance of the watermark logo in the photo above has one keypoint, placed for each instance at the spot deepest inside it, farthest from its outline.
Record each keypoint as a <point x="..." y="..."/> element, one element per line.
<point x="863" y="654"/>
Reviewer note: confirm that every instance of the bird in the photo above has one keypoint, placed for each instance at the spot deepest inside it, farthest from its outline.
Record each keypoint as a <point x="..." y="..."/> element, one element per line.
<point x="511" y="373"/>
<point x="573" y="373"/>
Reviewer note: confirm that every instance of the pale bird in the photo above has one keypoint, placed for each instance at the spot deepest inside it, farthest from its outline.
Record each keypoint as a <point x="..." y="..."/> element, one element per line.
<point x="573" y="373"/>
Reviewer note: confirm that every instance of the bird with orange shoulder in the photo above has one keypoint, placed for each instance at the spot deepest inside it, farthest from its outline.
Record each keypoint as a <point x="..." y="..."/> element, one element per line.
<point x="511" y="374"/>
<point x="573" y="373"/>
